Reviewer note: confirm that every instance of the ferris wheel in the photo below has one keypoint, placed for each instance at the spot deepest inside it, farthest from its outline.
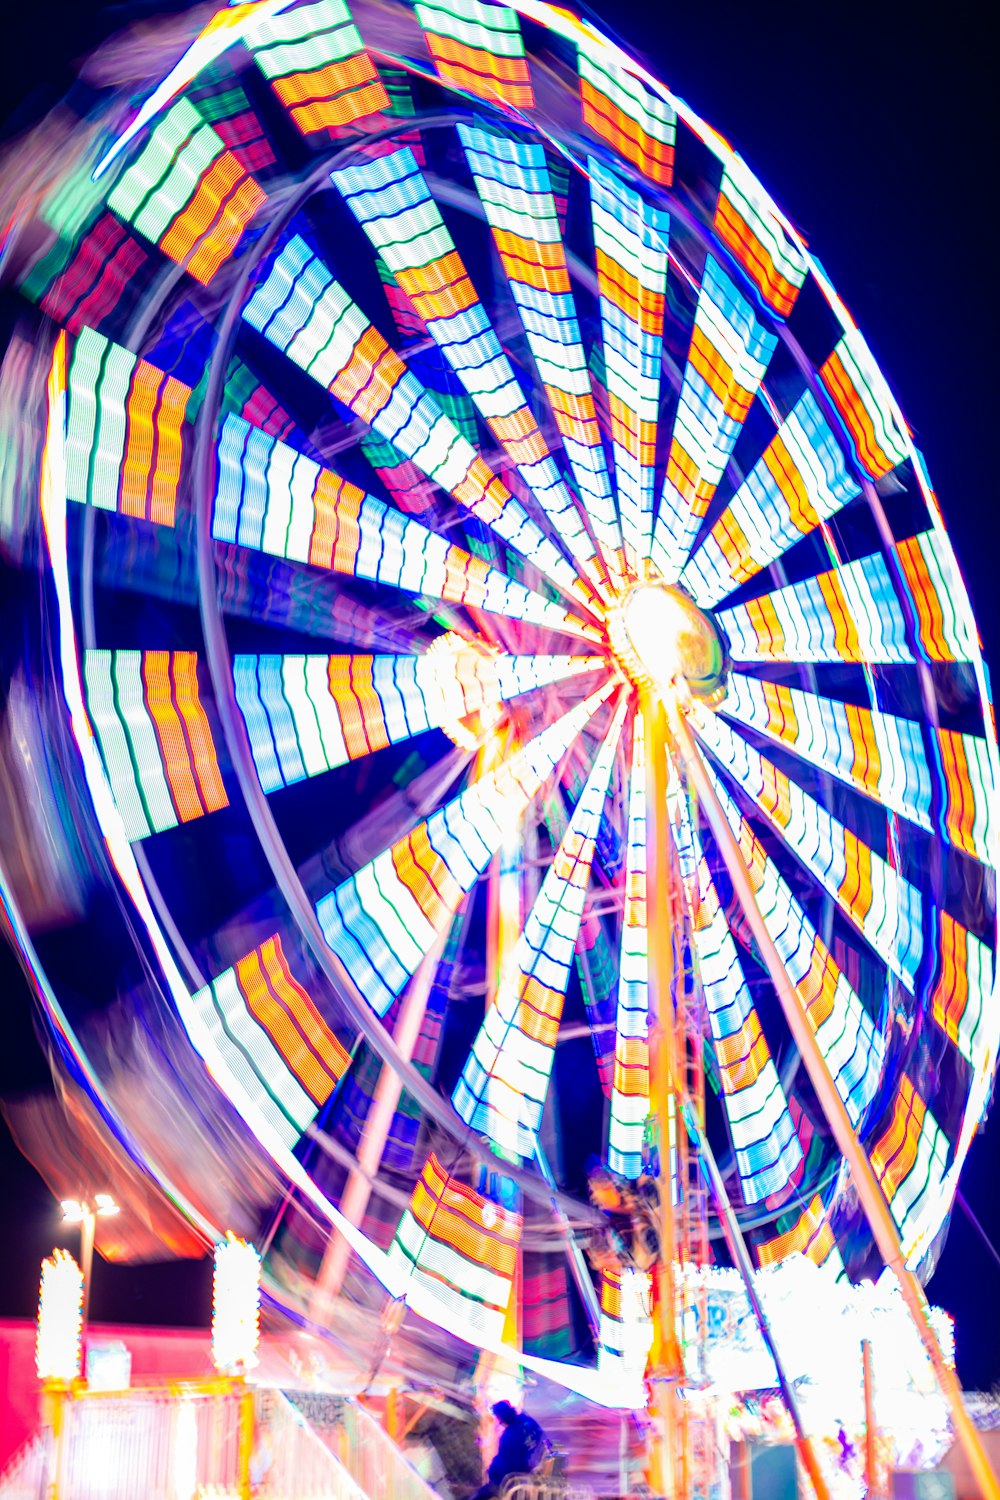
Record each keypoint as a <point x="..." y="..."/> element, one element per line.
<point x="514" y="668"/>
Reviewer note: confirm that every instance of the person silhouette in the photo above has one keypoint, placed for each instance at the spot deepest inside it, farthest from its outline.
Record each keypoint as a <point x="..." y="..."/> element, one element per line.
<point x="523" y="1446"/>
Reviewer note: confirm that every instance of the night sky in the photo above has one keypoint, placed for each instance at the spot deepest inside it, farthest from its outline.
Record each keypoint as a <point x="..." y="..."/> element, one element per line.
<point x="873" y="127"/>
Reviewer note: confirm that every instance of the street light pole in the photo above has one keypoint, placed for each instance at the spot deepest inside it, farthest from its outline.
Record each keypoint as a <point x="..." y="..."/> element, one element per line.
<point x="88" y="1224"/>
<point x="86" y="1213"/>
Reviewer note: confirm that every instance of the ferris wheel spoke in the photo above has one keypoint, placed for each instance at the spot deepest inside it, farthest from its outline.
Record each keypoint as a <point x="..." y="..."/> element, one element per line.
<point x="800" y="480"/>
<point x="501" y="1092"/>
<point x="880" y="754"/>
<point x="767" y="1146"/>
<point x="515" y="189"/>
<point x="314" y="60"/>
<point x="246" y="396"/>
<point x="308" y="714"/>
<point x="273" y="1037"/>
<point x="802" y="1232"/>
<point x="392" y="202"/>
<point x="154" y="736"/>
<point x="126" y="430"/>
<point x="630" y="238"/>
<point x="857" y="388"/>
<point x="630" y="1085"/>
<point x="309" y="317"/>
<point x="853" y="613"/>
<point x="884" y="907"/>
<point x="852" y="1046"/>
<point x="269" y="498"/>
<point x="727" y="358"/>
<point x="910" y="1157"/>
<point x="187" y="193"/>
<point x="478" y="48"/>
<point x="459" y="1246"/>
<point x="382" y="920"/>
<point x="749" y="225"/>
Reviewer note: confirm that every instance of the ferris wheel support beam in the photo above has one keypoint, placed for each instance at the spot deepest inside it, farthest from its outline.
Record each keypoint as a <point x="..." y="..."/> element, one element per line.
<point x="870" y="1194"/>
<point x="666" y="1366"/>
<point x="741" y="1259"/>
<point x="371" y="1146"/>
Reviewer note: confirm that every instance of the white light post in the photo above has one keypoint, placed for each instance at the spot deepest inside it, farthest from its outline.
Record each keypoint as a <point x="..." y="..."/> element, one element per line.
<point x="86" y="1213"/>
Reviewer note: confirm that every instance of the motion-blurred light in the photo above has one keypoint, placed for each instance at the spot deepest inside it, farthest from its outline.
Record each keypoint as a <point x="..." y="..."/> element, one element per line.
<point x="60" y="1318"/>
<point x="235" y="1306"/>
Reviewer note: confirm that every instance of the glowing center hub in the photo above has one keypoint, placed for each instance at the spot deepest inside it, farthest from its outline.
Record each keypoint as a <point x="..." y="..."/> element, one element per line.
<point x="665" y="639"/>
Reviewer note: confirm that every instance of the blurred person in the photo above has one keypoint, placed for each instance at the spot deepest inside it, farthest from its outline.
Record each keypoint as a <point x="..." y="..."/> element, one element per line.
<point x="523" y="1447"/>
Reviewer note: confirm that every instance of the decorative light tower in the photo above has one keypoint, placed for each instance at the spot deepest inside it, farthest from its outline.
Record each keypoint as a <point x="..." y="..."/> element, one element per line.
<point x="236" y="1332"/>
<point x="86" y="1213"/>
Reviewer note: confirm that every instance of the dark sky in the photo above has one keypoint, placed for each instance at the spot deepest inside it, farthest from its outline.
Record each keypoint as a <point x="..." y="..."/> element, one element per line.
<point x="873" y="126"/>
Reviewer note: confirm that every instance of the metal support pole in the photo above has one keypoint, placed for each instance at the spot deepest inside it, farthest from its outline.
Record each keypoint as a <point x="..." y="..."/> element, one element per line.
<point x="741" y="1259"/>
<point x="244" y="1485"/>
<point x="88" y="1226"/>
<point x="358" y="1189"/>
<point x="869" y="1191"/>
<point x="872" y="1485"/>
<point x="666" y="1368"/>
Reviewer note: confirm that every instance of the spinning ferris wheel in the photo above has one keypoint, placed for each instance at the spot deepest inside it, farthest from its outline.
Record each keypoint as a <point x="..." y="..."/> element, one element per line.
<point x="511" y="676"/>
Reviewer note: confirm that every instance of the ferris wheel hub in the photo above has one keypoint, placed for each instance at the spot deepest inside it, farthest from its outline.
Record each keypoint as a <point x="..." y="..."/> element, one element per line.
<point x="662" y="639"/>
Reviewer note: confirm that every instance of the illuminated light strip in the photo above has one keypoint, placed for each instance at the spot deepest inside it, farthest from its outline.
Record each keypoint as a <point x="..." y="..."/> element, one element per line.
<point x="81" y="280"/>
<point x="768" y="1149"/>
<point x="799" y="481"/>
<point x="155" y="741"/>
<point x="273" y="499"/>
<point x="851" y="1044"/>
<point x="382" y="920"/>
<point x="962" y="994"/>
<point x="223" y="104"/>
<point x="946" y="631"/>
<point x="307" y="714"/>
<point x="308" y="316"/>
<point x="630" y="239"/>
<point x="884" y="907"/>
<point x="808" y="1234"/>
<point x="850" y="614"/>
<point x="972" y="817"/>
<point x="515" y="189"/>
<point x="880" y="754"/>
<point x="411" y="490"/>
<point x="187" y="193"/>
<point x="420" y="1298"/>
<point x="626" y="1328"/>
<point x="858" y="390"/>
<point x="272" y="1036"/>
<point x="910" y="1159"/>
<point x="747" y="221"/>
<point x="408" y="321"/>
<point x="125" y="432"/>
<point x="224" y="28"/>
<point x="246" y="397"/>
<point x="617" y="106"/>
<point x="392" y="202"/>
<point x="727" y="358"/>
<point x="478" y="47"/>
<point x="501" y="1092"/>
<point x="185" y="735"/>
<point x="597" y="971"/>
<point x="316" y="63"/>
<point x="630" y="1088"/>
<point x="546" y="1312"/>
<point x="459" y="1244"/>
